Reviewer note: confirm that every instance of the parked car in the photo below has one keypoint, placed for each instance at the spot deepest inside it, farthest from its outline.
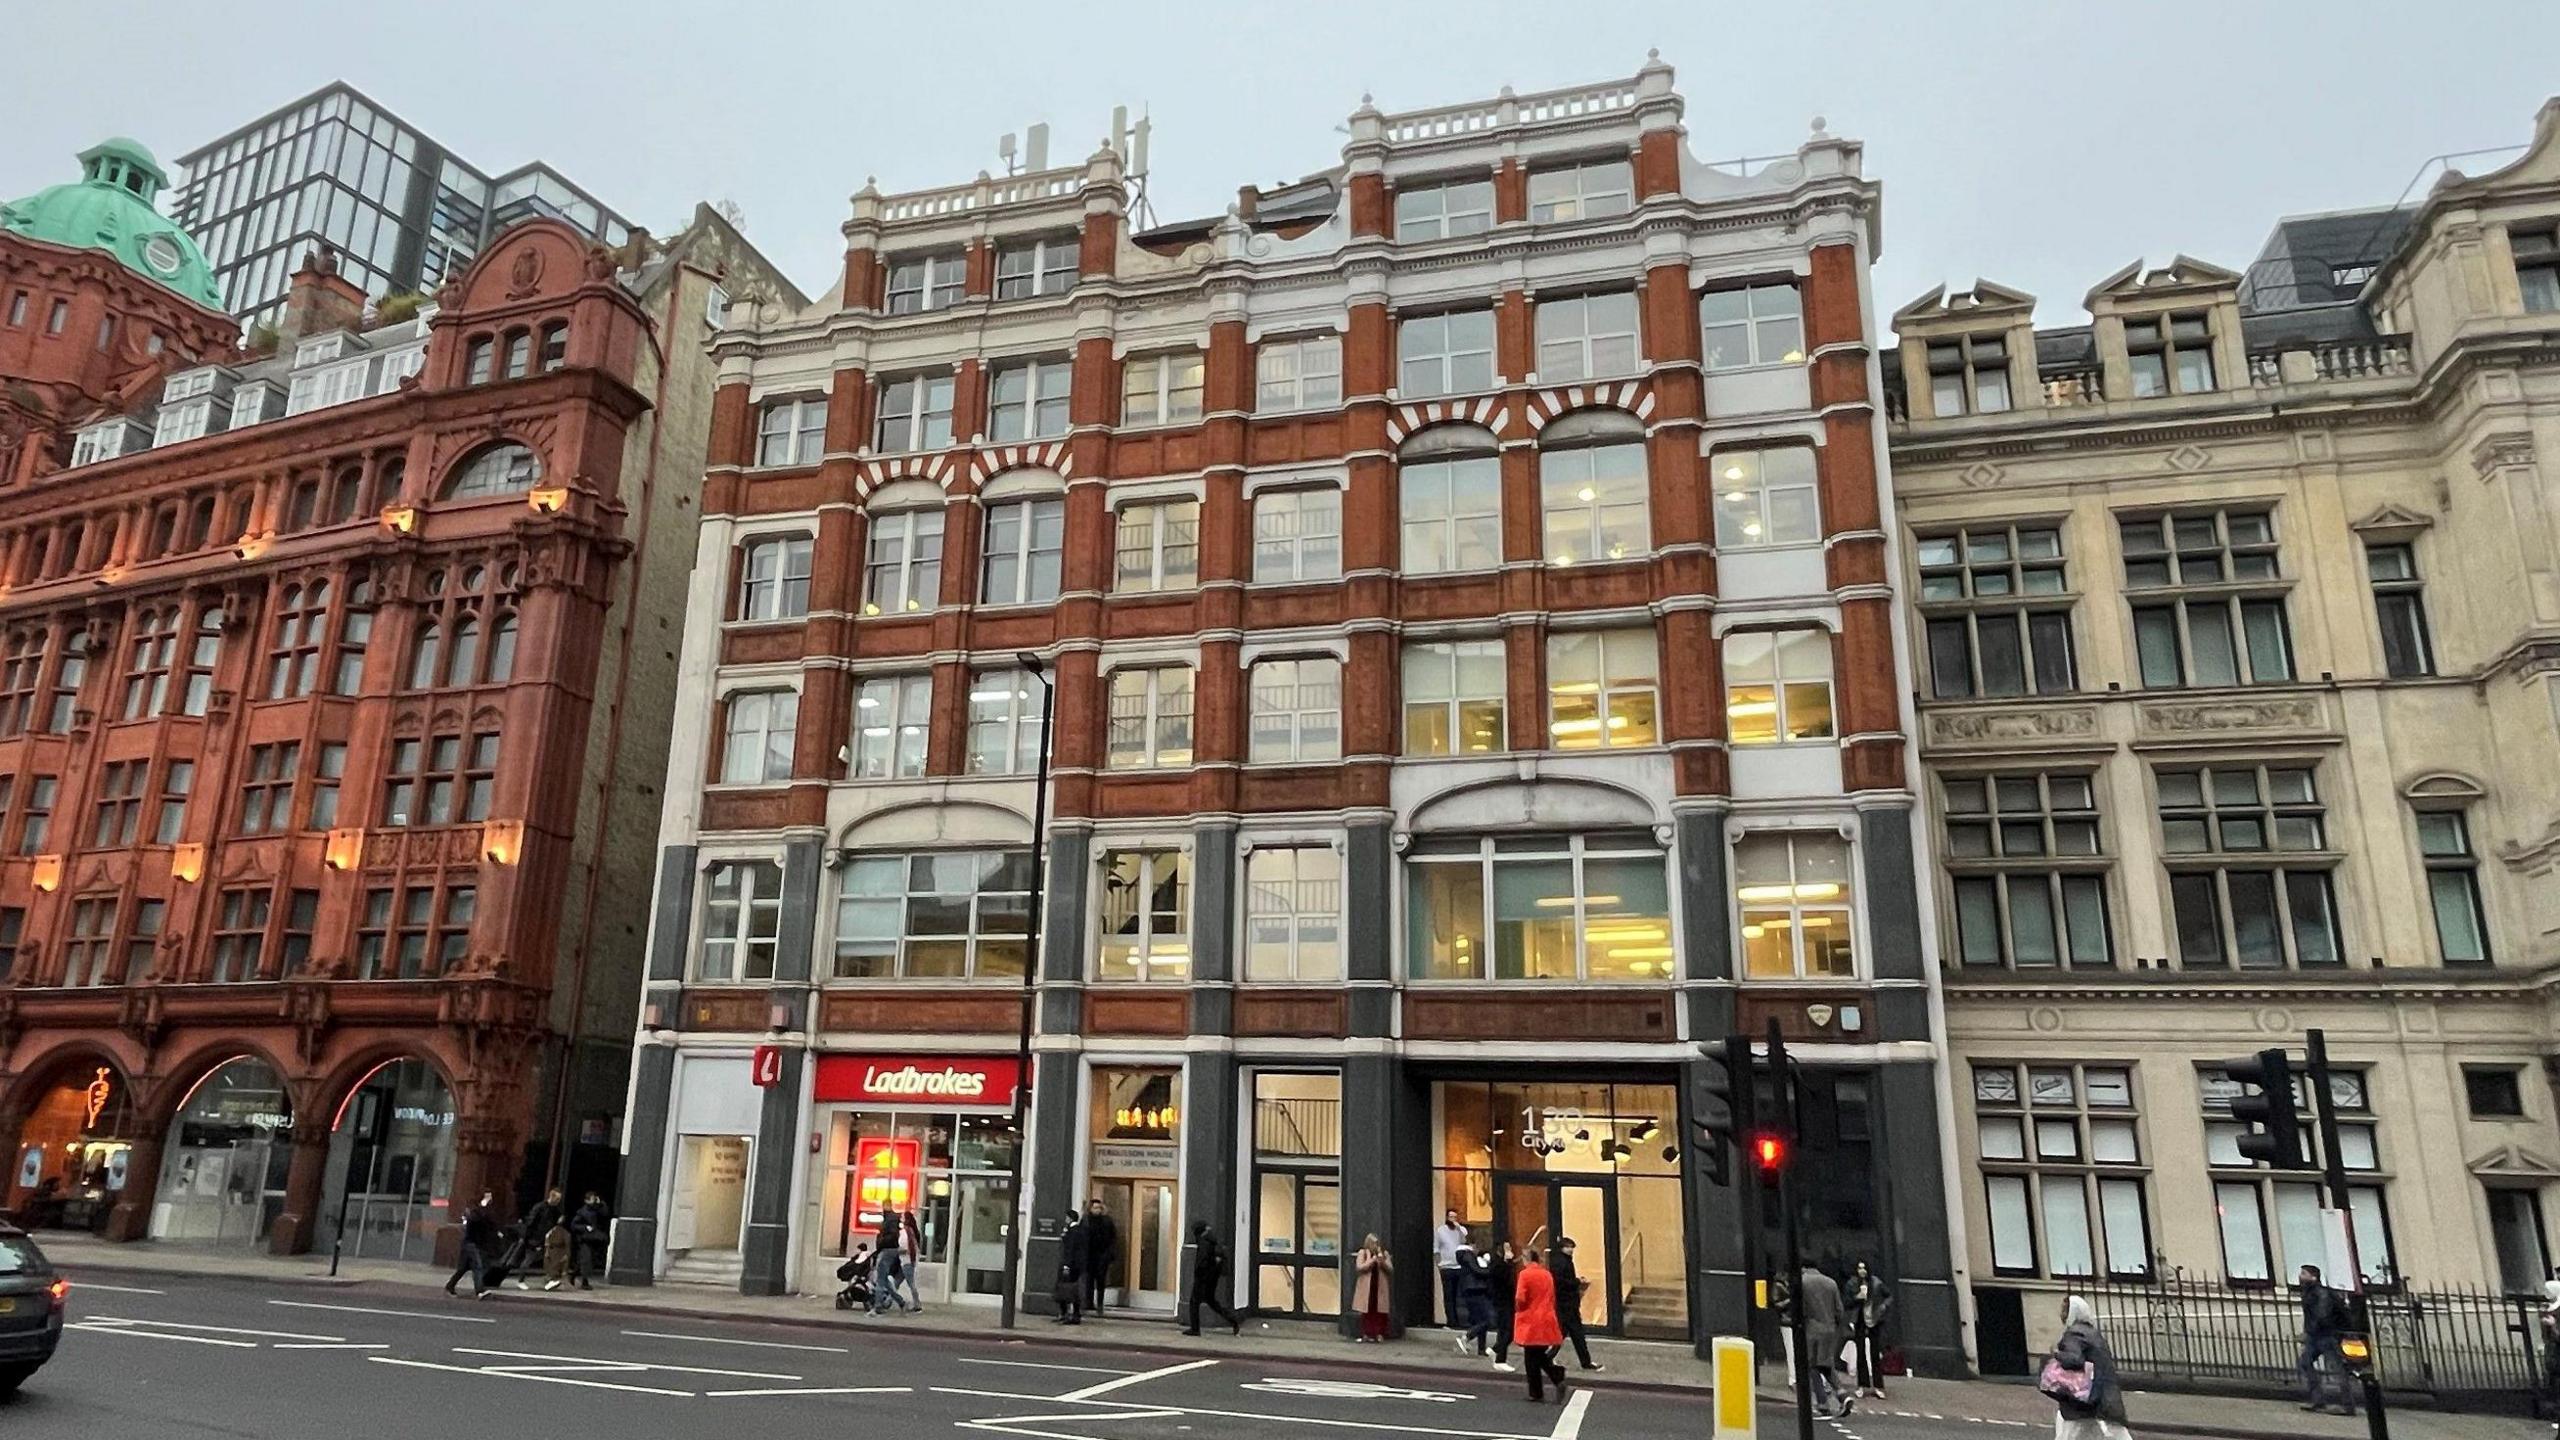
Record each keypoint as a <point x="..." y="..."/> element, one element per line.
<point x="31" y="1301"/>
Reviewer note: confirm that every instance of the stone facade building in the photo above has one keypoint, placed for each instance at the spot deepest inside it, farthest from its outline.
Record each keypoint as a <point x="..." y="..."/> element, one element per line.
<point x="327" y="681"/>
<point x="1464" y="580"/>
<point x="2238" y="609"/>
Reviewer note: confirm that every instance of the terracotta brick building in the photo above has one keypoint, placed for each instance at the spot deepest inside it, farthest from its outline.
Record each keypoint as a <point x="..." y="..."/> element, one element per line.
<point x="324" y="677"/>
<point x="1463" y="576"/>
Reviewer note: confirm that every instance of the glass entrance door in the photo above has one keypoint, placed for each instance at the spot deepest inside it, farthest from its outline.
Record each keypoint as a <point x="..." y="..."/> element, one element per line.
<point x="1147" y="1272"/>
<point x="1534" y="1211"/>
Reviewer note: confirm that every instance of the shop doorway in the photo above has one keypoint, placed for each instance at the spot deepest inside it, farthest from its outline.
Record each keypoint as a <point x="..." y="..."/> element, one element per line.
<point x="222" y="1178"/>
<point x="710" y="1204"/>
<point x="391" y="1164"/>
<point x="69" y="1171"/>
<point x="1149" y="1269"/>
<point x="1534" y="1211"/>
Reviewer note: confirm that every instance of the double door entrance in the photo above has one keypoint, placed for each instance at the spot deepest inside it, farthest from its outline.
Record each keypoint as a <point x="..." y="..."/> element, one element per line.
<point x="1148" y="1272"/>
<point x="1533" y="1211"/>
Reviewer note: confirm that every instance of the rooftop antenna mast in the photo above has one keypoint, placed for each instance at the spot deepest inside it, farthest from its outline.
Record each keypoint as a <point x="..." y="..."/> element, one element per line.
<point x="1034" y="154"/>
<point x="1130" y="142"/>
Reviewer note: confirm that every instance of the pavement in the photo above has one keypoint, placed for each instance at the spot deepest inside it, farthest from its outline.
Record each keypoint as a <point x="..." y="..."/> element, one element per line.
<point x="181" y="1341"/>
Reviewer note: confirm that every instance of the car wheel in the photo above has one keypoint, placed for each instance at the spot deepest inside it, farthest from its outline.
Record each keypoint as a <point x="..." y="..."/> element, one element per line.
<point x="13" y="1376"/>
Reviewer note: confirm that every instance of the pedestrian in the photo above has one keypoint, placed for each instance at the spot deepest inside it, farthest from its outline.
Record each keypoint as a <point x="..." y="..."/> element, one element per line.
<point x="1373" y="1289"/>
<point x="2080" y="1378"/>
<point x="1782" y="1302"/>
<point x="1569" y="1288"/>
<point x="588" y="1229"/>
<point x="1446" y="1242"/>
<point x="479" y="1233"/>
<point x="1075" y="1256"/>
<point x="1102" y="1246"/>
<point x="2322" y="1365"/>
<point x="1868" y="1298"/>
<point x="1473" y="1302"/>
<point x="1534" y="1325"/>
<point x="1208" y="1280"/>
<point x="1501" y="1283"/>
<point x="545" y="1216"/>
<point x="2550" y="1328"/>
<point x="889" y="1255"/>
<point x="1826" y="1333"/>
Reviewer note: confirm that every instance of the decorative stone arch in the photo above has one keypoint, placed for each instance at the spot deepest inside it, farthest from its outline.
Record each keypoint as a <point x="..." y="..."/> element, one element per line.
<point x="1002" y="461"/>
<point x="31" y="1080"/>
<point x="1029" y="480"/>
<point x="939" y="469"/>
<point x="1547" y="407"/>
<point x="506" y="465"/>
<point x="1590" y="424"/>
<point x="180" y="1080"/>
<point x="1562" y="803"/>
<point x="910" y="492"/>
<point x="927" y="825"/>
<point x="1489" y="414"/>
<point x="2442" y="789"/>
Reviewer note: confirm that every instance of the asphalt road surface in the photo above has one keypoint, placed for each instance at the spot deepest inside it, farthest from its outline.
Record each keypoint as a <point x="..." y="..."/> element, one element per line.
<point x="190" y="1358"/>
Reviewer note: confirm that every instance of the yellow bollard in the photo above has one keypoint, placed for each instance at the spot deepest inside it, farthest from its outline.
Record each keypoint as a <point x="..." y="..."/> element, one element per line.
<point x="1737" y="1377"/>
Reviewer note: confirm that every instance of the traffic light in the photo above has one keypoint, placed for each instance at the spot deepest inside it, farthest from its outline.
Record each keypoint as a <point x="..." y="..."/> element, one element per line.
<point x="1769" y="1152"/>
<point x="1719" y="1105"/>
<point x="2272" y="1132"/>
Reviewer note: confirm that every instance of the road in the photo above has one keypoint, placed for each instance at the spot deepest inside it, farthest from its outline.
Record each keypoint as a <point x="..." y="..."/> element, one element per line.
<point x="189" y="1358"/>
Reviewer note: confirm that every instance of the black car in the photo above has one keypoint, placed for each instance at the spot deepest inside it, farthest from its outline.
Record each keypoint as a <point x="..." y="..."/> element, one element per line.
<point x="31" y="1297"/>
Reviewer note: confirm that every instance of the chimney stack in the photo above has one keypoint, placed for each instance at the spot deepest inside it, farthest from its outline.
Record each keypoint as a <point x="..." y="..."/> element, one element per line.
<point x="320" y="299"/>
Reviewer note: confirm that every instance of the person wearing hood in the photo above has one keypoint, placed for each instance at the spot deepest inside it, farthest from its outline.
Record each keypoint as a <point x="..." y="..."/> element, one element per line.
<point x="1208" y="1280"/>
<point x="1501" y="1285"/>
<point x="1075" y="1256"/>
<point x="2080" y="1378"/>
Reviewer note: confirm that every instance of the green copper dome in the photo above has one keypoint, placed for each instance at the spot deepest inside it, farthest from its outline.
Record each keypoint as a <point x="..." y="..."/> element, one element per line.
<point x="113" y="207"/>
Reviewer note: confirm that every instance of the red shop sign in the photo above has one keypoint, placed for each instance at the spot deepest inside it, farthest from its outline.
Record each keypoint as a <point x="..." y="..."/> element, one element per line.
<point x="919" y="1080"/>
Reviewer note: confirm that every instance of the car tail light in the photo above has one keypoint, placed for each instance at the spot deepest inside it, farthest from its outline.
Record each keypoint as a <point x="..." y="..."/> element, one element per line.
<point x="60" y="1291"/>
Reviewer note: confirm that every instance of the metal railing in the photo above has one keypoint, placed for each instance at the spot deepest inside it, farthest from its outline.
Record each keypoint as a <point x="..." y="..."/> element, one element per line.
<point x="1297" y="1127"/>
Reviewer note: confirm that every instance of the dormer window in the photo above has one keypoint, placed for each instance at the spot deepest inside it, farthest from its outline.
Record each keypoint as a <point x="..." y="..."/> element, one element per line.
<point x="2537" y="255"/>
<point x="319" y="350"/>
<point x="1969" y="375"/>
<point x="2170" y="350"/>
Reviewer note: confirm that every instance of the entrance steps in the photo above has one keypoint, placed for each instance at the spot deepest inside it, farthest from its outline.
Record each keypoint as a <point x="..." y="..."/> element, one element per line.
<point x="1656" y="1312"/>
<point x="705" y="1267"/>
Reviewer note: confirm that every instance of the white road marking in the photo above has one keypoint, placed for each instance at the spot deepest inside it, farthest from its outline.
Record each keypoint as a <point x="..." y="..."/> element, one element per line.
<point x="401" y="1314"/>
<point x="340" y="1345"/>
<point x="1139" y="1378"/>
<point x="157" y="1335"/>
<point x="1019" y="1424"/>
<point x="622" y="1365"/>
<point x="840" y="1390"/>
<point x="1175" y="1411"/>
<point x="211" y="1329"/>
<point x="517" y="1375"/>
<point x="1569" y="1424"/>
<point x="1038" y="1365"/>
<point x="119" y="1289"/>
<point x="718" y="1340"/>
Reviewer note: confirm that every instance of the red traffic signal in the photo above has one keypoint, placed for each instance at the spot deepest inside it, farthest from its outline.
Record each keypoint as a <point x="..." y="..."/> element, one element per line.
<point x="1769" y="1152"/>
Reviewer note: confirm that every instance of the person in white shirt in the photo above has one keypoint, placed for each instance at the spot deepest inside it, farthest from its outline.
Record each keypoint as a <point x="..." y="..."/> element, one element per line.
<point x="1446" y="1242"/>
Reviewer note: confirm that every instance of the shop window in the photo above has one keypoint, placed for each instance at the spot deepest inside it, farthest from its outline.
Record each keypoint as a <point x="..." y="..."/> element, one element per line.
<point x="1537" y="907"/>
<point x="228" y="1155"/>
<point x="1145" y="916"/>
<point x="2271" y="1227"/>
<point x="915" y="414"/>
<point x="2400" y="604"/>
<point x="1453" y="697"/>
<point x="1445" y="354"/>
<point x="1297" y="1193"/>
<point x="756" y="743"/>
<point x="1028" y="400"/>
<point x="891" y="717"/>
<point x="2027" y="866"/>
<point x="1587" y="337"/>
<point x="1293" y="914"/>
<point x="903" y="573"/>
<point x="773" y="578"/>
<point x="2170" y="352"/>
<point x="1294" y="710"/>
<point x="1150" y="718"/>
<point x="1298" y="374"/>
<point x="1026" y="549"/>
<point x="1594" y="498"/>
<point x="1005" y="725"/>
<point x="792" y="431"/>
<point x="1777" y="686"/>
<point x="2249" y="864"/>
<point x="2453" y="887"/>
<point x="1766" y="498"/>
<point x="1797" y="901"/>
<point x="741" y="921"/>
<point x="1162" y="389"/>
<point x="1601" y="689"/>
<point x="1752" y="325"/>
<point x="1444" y="210"/>
<point x="2063" y="1173"/>
<point x="1995" y="599"/>
<point x="947" y="915"/>
<point x="1297" y="536"/>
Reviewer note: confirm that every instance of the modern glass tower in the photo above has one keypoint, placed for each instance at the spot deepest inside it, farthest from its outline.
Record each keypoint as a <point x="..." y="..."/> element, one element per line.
<point x="402" y="211"/>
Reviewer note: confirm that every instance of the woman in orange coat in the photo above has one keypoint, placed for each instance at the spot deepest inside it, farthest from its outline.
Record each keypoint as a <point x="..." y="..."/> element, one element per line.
<point x="1535" y="1327"/>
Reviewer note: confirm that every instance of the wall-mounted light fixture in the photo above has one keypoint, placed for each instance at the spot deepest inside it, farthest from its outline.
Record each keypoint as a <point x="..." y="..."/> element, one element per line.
<point x="502" y="841"/>
<point x="186" y="862"/>
<point x="346" y="848"/>
<point x="400" y="519"/>
<point x="48" y="873"/>
<point x="251" y="546"/>
<point x="548" y="499"/>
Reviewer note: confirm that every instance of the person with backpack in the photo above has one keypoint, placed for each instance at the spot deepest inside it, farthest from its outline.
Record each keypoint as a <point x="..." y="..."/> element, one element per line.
<point x="2322" y="1364"/>
<point x="2080" y="1378"/>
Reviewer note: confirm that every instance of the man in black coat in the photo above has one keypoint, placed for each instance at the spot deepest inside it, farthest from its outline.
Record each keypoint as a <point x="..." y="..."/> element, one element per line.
<point x="1102" y="1254"/>
<point x="479" y="1233"/>
<point x="1208" y="1280"/>
<point x="1569" y="1301"/>
<point x="1075" y="1258"/>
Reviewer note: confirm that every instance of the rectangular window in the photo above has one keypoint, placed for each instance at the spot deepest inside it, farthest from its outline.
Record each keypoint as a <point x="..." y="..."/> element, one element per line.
<point x="302" y="622"/>
<point x="301" y="916"/>
<point x="1584" y="337"/>
<point x="353" y="635"/>
<point x="1602" y="689"/>
<point x="177" y="781"/>
<point x="1028" y="400"/>
<point x="2170" y="352"/>
<point x="1594" y="503"/>
<point x="1586" y="191"/>
<point x="1777" y="686"/>
<point x="2493" y="1092"/>
<point x="1157" y="544"/>
<point x="2399" y="602"/>
<point x="437" y="781"/>
<point x="1766" y="498"/>
<point x="117" y="815"/>
<point x="1005" y="737"/>
<point x="741" y="921"/>
<point x="19" y="672"/>
<point x="1754" y="325"/>
<point x="915" y="414"/>
<point x="1996" y="603"/>
<point x="2062" y="1164"/>
<point x="331" y="769"/>
<point x="2271" y="1222"/>
<point x="1796" y="897"/>
<point x="2247" y="851"/>
<point x="2029" y="874"/>
<point x="1026" y="546"/>
<point x="142" y="940"/>
<point x="1295" y="710"/>
<point x="792" y="432"/>
<point x="1452" y="514"/>
<point x="1538" y="907"/>
<point x="1453" y="697"/>
<point x="1297" y="536"/>
<point x="1450" y="208"/>
<point x="773" y="578"/>
<point x="17" y="309"/>
<point x="13" y="929"/>
<point x="2228" y="627"/>
<point x="1446" y="354"/>
<point x="2453" y="887"/>
<point x="204" y="650"/>
<point x="1969" y="375"/>
<point x="904" y="573"/>
<point x="1145" y="916"/>
<point x="58" y="317"/>
<point x="155" y="647"/>
<point x="892" y="715"/>
<point x="1046" y="266"/>
<point x="927" y="282"/>
<point x="1300" y="374"/>
<point x="756" y="744"/>
<point x="1293" y="914"/>
<point x="35" y="822"/>
<point x="1150" y="717"/>
<point x="240" y="935"/>
<point x="1161" y="389"/>
<point x="2537" y="256"/>
<point x="86" y="953"/>
<point x="944" y="916"/>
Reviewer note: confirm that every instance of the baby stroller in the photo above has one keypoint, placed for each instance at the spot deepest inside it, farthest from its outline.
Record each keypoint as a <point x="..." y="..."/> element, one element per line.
<point x="856" y="1275"/>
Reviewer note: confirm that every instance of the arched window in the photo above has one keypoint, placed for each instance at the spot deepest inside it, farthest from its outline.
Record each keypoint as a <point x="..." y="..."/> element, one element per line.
<point x="426" y="656"/>
<point x="465" y="666"/>
<point x="1592" y="489"/>
<point x="346" y="495"/>
<point x="502" y="469"/>
<point x="502" y="648"/>
<point x="68" y="561"/>
<point x="1449" y="486"/>
<point x="519" y="354"/>
<point x="200" y="523"/>
<point x="555" y="345"/>
<point x="306" y="506"/>
<point x="481" y="354"/>
<point x="204" y="648"/>
<point x="164" y="530"/>
<point x="387" y="482"/>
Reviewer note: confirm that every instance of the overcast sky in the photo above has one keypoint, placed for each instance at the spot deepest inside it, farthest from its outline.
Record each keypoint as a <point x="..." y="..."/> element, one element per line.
<point x="2040" y="144"/>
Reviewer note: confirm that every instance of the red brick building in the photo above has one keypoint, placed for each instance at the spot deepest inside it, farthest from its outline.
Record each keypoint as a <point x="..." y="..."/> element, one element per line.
<point x="321" y="675"/>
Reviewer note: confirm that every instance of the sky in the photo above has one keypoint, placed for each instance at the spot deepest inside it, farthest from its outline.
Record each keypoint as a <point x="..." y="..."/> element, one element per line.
<point x="2041" y="145"/>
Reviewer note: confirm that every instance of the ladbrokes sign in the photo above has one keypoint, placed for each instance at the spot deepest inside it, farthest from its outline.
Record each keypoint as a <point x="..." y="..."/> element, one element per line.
<point x="922" y="1080"/>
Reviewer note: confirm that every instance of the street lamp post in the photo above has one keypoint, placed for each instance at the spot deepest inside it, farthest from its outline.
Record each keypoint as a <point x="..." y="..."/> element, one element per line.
<point x="1030" y="998"/>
